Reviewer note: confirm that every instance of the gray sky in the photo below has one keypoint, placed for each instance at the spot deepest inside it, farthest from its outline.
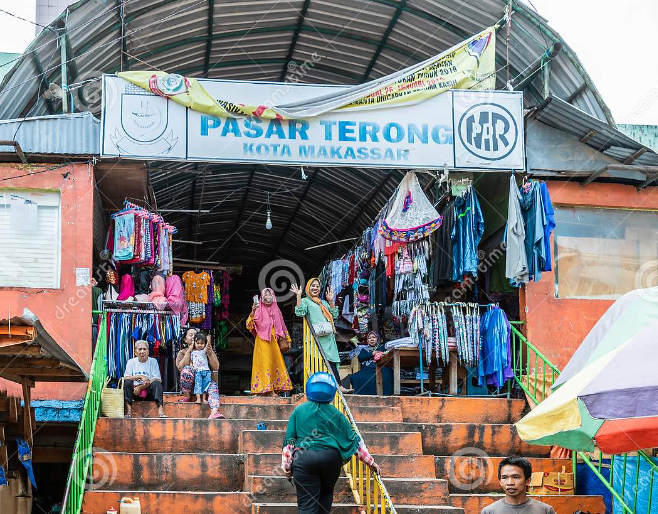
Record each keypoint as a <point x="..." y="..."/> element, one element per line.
<point x="614" y="41"/>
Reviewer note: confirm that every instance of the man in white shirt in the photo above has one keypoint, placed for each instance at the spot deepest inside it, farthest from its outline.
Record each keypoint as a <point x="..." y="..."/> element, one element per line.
<point x="142" y="374"/>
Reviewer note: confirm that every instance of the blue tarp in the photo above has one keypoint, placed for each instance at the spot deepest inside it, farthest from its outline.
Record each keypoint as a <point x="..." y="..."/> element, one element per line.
<point x="588" y="483"/>
<point x="629" y="489"/>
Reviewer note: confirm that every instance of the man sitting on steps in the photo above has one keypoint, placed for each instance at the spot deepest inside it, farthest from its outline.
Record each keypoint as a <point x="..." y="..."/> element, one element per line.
<point x="514" y="474"/>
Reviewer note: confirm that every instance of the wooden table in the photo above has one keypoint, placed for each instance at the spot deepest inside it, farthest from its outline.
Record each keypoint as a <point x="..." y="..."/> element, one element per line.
<point x="399" y="358"/>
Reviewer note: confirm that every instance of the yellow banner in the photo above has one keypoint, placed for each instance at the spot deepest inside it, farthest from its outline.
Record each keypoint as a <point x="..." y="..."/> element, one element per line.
<point x="469" y="65"/>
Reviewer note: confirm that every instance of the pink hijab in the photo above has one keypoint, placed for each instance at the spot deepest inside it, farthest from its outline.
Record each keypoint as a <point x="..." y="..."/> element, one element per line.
<point x="174" y="292"/>
<point x="127" y="288"/>
<point x="157" y="296"/>
<point x="268" y="315"/>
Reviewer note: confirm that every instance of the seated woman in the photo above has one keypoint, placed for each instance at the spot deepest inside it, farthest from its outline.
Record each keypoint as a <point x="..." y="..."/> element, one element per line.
<point x="187" y="373"/>
<point x="364" y="381"/>
<point x="142" y="374"/>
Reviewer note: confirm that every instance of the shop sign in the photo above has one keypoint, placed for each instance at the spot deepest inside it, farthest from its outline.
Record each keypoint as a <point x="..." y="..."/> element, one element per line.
<point x="460" y="129"/>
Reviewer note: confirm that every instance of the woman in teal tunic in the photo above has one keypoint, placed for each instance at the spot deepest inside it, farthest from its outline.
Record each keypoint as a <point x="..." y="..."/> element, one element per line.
<point x="321" y="314"/>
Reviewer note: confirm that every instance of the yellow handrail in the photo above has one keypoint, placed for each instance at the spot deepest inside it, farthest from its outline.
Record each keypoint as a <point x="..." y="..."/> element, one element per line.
<point x="367" y="488"/>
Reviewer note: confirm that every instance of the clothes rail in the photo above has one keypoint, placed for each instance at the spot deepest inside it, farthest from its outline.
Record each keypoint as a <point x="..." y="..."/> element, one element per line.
<point x="141" y="311"/>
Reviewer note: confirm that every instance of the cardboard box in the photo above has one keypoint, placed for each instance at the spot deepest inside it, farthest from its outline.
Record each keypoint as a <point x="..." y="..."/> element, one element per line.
<point x="552" y="483"/>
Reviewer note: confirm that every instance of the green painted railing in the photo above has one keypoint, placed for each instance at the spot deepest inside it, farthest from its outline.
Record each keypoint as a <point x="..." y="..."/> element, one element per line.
<point x="80" y="470"/>
<point x="535" y="374"/>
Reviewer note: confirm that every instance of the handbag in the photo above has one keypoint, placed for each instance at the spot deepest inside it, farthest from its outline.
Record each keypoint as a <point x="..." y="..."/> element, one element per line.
<point x="323" y="328"/>
<point x="112" y="400"/>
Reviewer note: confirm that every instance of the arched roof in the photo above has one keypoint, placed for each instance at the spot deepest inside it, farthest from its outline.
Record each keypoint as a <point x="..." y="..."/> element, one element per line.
<point x="342" y="41"/>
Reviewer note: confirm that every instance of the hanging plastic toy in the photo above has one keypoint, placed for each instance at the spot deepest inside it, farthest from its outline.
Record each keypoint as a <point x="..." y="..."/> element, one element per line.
<point x="412" y="216"/>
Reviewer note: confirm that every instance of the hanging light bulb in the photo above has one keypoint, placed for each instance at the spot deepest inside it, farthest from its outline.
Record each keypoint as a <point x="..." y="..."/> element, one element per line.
<point x="268" y="223"/>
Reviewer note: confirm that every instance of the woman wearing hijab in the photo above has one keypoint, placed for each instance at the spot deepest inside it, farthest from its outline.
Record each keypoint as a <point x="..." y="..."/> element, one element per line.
<point x="319" y="439"/>
<point x="127" y="288"/>
<point x="321" y="314"/>
<point x="364" y="381"/>
<point x="268" y="373"/>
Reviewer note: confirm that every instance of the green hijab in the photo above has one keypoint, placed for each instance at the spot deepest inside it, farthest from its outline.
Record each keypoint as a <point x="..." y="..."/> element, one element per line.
<point x="319" y="426"/>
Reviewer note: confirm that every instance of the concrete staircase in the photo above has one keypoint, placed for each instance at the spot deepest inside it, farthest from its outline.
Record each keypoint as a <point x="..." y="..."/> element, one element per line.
<point x="438" y="455"/>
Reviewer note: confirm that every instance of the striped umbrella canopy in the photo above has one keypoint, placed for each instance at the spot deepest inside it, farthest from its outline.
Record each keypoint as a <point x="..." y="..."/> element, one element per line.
<point x="625" y="318"/>
<point x="612" y="399"/>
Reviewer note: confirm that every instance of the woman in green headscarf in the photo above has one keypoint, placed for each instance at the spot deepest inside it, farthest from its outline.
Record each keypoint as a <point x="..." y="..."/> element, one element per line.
<point x="319" y="439"/>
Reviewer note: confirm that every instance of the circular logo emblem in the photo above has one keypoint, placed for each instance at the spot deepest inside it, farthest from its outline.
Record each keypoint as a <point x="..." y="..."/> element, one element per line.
<point x="488" y="131"/>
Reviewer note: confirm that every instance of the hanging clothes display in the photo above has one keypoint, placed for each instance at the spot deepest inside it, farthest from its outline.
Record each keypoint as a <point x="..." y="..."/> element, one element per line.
<point x="412" y="216"/>
<point x="516" y="263"/>
<point x="495" y="366"/>
<point x="160" y="329"/>
<point x="466" y="235"/>
<point x="196" y="294"/>
<point x="441" y="269"/>
<point x="535" y="221"/>
<point x="140" y="238"/>
<point x="549" y="215"/>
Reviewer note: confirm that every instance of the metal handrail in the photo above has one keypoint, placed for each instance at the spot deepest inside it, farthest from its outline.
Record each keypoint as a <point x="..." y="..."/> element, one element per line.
<point x="520" y="346"/>
<point x="368" y="488"/>
<point x="81" y="463"/>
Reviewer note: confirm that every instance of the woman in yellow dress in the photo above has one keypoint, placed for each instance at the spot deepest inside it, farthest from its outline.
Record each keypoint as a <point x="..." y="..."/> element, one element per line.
<point x="269" y="374"/>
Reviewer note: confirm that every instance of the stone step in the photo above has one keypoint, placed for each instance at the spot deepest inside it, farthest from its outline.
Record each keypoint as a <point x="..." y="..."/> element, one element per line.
<point x="479" y="474"/>
<point x="384" y="443"/>
<point x="422" y="409"/>
<point x="350" y="508"/>
<point x="170" y="502"/>
<point x="405" y="491"/>
<point x="449" y="438"/>
<point x="258" y="412"/>
<point x="393" y="466"/>
<point x="474" y="503"/>
<point x="415" y="409"/>
<point x="210" y="472"/>
<point x="174" y="435"/>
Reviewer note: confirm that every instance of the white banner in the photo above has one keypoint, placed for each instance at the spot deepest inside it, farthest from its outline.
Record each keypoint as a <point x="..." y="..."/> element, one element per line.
<point x="458" y="129"/>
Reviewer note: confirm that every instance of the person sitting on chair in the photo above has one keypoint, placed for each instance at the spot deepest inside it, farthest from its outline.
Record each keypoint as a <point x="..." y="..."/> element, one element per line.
<point x="142" y="379"/>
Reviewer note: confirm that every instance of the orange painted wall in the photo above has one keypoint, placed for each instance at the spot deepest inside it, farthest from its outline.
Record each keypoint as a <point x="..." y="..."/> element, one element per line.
<point x="65" y="312"/>
<point x="558" y="326"/>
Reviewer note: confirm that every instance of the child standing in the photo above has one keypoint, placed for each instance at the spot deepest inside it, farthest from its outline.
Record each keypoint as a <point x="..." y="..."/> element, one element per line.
<point x="199" y="358"/>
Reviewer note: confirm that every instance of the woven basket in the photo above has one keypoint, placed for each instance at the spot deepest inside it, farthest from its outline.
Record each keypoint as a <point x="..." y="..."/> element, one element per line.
<point x="112" y="400"/>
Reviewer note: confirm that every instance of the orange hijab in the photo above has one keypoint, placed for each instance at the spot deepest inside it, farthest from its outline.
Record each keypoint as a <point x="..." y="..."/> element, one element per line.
<point x="317" y="300"/>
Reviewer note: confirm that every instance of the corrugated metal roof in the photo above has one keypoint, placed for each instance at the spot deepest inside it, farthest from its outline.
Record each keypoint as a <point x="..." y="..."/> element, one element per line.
<point x="606" y="139"/>
<point x="353" y="40"/>
<point x="67" y="134"/>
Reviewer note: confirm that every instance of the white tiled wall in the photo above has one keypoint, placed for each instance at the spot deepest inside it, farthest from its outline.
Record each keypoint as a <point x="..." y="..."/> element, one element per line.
<point x="48" y="10"/>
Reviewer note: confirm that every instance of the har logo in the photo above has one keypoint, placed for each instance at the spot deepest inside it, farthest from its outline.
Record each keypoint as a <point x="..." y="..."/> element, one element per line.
<point x="488" y="131"/>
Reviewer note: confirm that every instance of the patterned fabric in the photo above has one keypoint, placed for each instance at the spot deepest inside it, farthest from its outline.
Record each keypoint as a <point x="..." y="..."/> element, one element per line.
<point x="197" y="312"/>
<point x="364" y="455"/>
<point x="196" y="286"/>
<point x="286" y="457"/>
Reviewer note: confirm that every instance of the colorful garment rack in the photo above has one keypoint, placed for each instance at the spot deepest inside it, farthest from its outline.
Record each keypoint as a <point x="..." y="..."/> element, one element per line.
<point x="161" y="329"/>
<point x="428" y="325"/>
<point x="139" y="237"/>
